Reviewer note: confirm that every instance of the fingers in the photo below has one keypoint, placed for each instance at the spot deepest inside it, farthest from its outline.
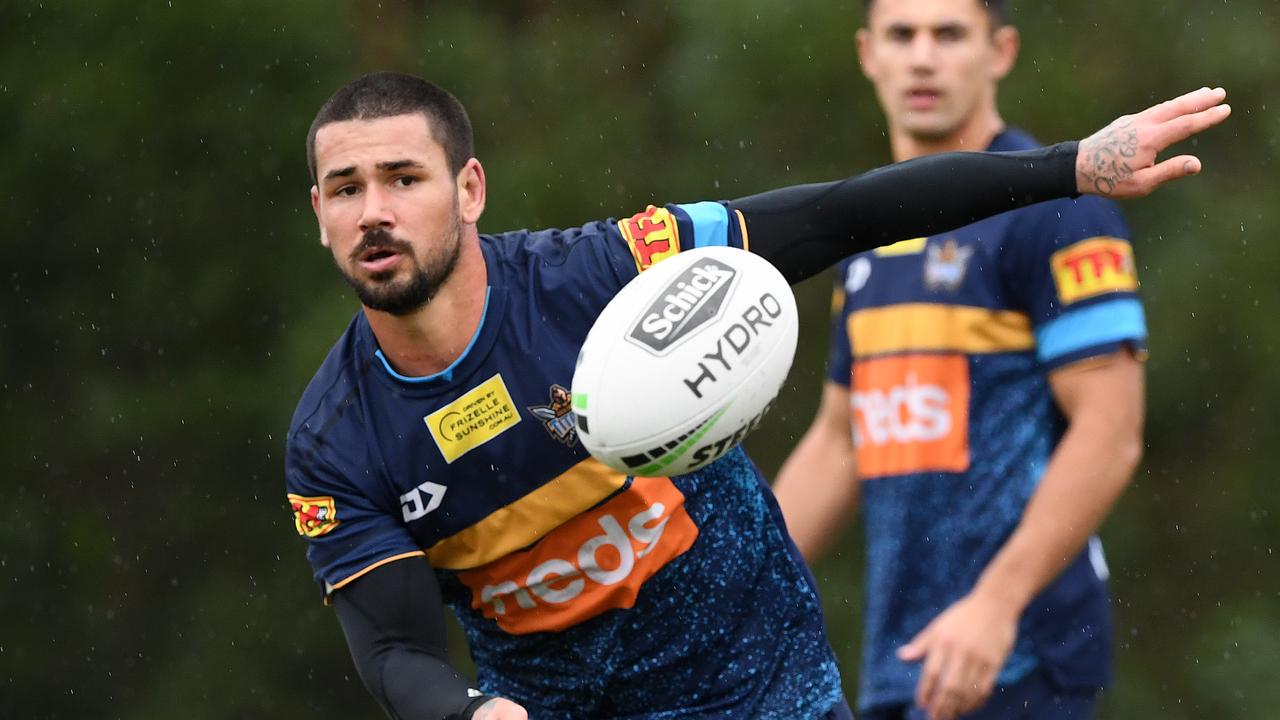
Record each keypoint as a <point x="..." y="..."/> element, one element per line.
<point x="962" y="685"/>
<point x="1192" y="102"/>
<point x="1147" y="180"/>
<point x="500" y="709"/>
<point x="931" y="679"/>
<point x="912" y="651"/>
<point x="976" y="686"/>
<point x="1184" y="126"/>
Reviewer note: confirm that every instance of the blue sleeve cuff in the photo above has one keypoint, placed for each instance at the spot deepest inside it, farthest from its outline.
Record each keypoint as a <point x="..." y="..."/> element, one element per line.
<point x="1102" y="326"/>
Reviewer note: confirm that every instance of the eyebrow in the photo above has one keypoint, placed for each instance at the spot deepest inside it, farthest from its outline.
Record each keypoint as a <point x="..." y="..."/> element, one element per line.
<point x="340" y="172"/>
<point x="385" y="166"/>
<point x="947" y="25"/>
<point x="391" y="165"/>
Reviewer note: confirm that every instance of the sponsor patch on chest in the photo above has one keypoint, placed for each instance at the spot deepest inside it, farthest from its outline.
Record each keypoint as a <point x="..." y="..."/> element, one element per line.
<point x="481" y="414"/>
<point x="595" y="562"/>
<point x="911" y="414"/>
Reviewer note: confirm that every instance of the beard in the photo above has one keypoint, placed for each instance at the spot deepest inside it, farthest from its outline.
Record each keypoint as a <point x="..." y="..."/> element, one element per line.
<point x="383" y="292"/>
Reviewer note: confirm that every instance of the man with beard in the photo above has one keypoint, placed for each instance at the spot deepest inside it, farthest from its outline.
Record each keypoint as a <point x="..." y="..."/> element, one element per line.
<point x="427" y="461"/>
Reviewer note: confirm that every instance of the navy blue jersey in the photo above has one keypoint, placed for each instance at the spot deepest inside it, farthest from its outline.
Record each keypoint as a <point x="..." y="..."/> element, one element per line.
<point x="946" y="343"/>
<point x="583" y="592"/>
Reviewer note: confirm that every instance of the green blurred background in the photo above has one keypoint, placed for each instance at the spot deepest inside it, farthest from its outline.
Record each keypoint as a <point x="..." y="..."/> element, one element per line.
<point x="166" y="301"/>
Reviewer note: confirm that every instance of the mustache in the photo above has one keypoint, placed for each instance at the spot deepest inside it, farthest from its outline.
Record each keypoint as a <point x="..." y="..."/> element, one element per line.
<point x="379" y="239"/>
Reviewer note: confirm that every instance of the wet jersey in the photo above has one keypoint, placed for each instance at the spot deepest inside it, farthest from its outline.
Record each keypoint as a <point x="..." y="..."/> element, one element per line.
<point x="946" y="343"/>
<point x="583" y="592"/>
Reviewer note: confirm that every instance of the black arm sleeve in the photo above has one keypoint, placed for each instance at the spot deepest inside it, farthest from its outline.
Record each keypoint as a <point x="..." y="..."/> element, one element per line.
<point x="804" y="229"/>
<point x="393" y="618"/>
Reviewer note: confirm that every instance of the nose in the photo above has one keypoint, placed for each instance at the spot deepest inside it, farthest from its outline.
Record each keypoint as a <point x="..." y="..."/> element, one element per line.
<point x="376" y="211"/>
<point x="924" y="52"/>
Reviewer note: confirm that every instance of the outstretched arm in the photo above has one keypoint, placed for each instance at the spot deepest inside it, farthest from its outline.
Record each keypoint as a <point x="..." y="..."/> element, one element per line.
<point x="806" y="228"/>
<point x="393" y="618"/>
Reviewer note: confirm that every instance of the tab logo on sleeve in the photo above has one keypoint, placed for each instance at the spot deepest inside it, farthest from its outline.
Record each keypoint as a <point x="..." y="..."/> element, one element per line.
<point x="652" y="235"/>
<point x="313" y="516"/>
<point x="1093" y="267"/>
<point x="481" y="414"/>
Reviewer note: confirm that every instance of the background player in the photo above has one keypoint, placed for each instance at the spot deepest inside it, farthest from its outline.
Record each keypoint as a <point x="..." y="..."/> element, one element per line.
<point x="984" y="406"/>
<point x="418" y="471"/>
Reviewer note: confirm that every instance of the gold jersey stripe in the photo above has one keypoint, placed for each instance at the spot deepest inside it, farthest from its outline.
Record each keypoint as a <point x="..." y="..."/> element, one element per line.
<point x="913" y="246"/>
<point x="742" y="226"/>
<point x="373" y="566"/>
<point x="526" y="520"/>
<point x="914" y="327"/>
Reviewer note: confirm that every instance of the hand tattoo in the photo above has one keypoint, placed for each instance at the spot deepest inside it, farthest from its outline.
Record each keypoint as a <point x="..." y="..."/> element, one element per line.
<point x="1105" y="155"/>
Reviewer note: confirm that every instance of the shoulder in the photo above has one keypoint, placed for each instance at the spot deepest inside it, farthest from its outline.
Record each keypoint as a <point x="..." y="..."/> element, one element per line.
<point x="1070" y="219"/>
<point x="550" y="245"/>
<point x="586" y="255"/>
<point x="333" y="392"/>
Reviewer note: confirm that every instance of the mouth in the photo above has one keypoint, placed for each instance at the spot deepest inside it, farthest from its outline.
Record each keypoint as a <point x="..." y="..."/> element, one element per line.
<point x="379" y="260"/>
<point x="378" y="252"/>
<point x="923" y="98"/>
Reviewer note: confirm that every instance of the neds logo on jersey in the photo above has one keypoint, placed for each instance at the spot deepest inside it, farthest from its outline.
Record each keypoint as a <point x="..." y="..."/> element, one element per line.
<point x="691" y="300"/>
<point x="594" y="562"/>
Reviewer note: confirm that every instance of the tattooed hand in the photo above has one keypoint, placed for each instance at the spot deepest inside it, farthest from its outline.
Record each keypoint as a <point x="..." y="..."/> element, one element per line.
<point x="1120" y="159"/>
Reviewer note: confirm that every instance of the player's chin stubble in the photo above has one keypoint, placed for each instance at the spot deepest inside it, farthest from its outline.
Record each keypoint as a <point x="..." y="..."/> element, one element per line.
<point x="382" y="292"/>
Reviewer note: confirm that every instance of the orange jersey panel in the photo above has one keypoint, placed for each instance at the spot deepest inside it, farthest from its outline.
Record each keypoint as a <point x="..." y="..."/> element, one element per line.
<point x="595" y="562"/>
<point x="911" y="414"/>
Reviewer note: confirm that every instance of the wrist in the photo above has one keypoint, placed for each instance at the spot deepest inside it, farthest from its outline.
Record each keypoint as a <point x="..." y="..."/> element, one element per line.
<point x="469" y="712"/>
<point x="1004" y="593"/>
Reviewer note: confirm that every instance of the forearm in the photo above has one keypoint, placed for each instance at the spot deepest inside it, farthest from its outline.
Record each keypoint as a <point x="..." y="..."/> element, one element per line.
<point x="393" y="622"/>
<point x="817" y="491"/>
<point x="805" y="228"/>
<point x="817" y="487"/>
<point x="1085" y="476"/>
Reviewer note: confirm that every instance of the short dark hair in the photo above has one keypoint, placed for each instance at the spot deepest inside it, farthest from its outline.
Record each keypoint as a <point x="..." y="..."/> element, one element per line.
<point x="387" y="94"/>
<point x="997" y="10"/>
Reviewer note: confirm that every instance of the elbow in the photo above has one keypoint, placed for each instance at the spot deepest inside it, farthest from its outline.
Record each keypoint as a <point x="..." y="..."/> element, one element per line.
<point x="1128" y="451"/>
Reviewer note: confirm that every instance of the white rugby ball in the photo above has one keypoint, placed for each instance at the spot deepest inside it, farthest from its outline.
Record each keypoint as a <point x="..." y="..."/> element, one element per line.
<point x="684" y="361"/>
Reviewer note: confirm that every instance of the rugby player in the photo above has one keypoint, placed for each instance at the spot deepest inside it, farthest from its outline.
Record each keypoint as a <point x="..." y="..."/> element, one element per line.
<point x="983" y="407"/>
<point x="426" y="463"/>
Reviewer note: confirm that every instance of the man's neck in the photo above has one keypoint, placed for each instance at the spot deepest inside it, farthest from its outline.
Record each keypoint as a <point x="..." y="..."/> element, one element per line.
<point x="432" y="338"/>
<point x="975" y="135"/>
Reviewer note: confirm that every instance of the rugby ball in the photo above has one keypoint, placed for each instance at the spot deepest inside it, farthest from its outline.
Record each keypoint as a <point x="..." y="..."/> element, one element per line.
<point x="684" y="362"/>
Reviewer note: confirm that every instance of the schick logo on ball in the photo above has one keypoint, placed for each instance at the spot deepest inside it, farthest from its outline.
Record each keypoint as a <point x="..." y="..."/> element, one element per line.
<point x="688" y="302"/>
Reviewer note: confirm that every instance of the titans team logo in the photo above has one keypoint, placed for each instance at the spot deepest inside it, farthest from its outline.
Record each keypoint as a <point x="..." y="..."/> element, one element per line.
<point x="945" y="265"/>
<point x="557" y="417"/>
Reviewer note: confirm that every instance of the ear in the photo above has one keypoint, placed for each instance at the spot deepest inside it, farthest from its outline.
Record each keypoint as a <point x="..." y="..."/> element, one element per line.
<point x="471" y="191"/>
<point x="865" y="57"/>
<point x="1006" y="42"/>
<point x="315" y="207"/>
